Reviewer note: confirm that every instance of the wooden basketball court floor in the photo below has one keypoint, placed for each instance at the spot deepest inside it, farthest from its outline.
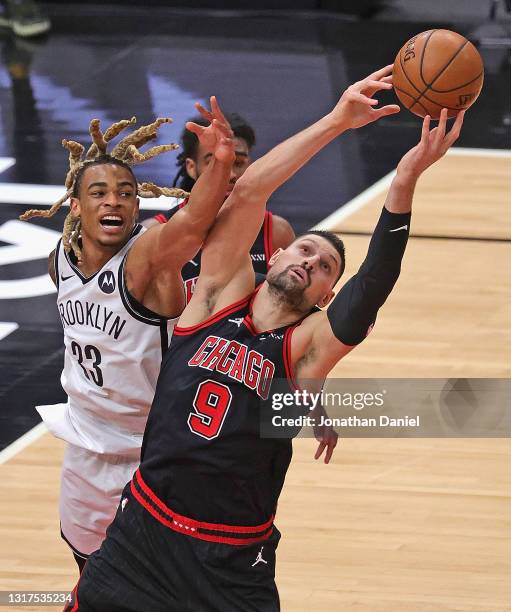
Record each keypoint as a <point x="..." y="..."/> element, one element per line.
<point x="393" y="525"/>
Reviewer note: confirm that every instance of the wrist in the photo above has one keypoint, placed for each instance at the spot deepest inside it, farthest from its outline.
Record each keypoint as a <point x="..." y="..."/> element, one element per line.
<point x="337" y="122"/>
<point x="224" y="159"/>
<point x="407" y="177"/>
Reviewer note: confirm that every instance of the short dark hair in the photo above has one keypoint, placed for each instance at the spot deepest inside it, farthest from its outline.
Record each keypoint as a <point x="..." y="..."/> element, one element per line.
<point x="335" y="241"/>
<point x="190" y="145"/>
<point x="98" y="161"/>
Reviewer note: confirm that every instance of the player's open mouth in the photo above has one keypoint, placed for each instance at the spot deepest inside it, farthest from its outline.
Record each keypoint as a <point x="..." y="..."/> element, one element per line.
<point x="300" y="273"/>
<point x="111" y="223"/>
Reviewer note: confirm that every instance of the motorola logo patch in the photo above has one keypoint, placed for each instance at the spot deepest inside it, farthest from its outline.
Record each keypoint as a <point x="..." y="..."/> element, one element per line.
<point x="106" y="281"/>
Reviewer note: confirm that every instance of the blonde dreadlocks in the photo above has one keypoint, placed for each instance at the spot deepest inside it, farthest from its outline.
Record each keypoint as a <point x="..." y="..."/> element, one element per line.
<point x="126" y="153"/>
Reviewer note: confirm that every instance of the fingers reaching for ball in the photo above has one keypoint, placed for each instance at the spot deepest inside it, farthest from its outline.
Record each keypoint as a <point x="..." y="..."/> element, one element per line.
<point x="434" y="144"/>
<point x="381" y="73"/>
<point x="442" y="137"/>
<point x="357" y="106"/>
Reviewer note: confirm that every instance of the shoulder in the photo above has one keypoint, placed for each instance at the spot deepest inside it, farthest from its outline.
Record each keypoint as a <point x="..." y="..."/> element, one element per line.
<point x="51" y="266"/>
<point x="282" y="233"/>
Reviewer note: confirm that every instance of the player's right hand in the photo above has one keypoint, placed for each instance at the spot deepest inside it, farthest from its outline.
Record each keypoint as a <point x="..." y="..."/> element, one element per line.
<point x="433" y="145"/>
<point x="356" y="107"/>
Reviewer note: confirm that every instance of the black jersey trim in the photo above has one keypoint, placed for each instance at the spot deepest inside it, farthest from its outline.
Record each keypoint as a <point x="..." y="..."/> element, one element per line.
<point x="268" y="237"/>
<point x="56" y="263"/>
<point x="164" y="336"/>
<point x="184" y="331"/>
<point x="86" y="279"/>
<point x="69" y="255"/>
<point x="137" y="310"/>
<point x="75" y="550"/>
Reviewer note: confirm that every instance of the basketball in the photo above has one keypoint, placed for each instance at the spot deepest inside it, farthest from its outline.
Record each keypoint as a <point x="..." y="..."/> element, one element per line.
<point x="437" y="69"/>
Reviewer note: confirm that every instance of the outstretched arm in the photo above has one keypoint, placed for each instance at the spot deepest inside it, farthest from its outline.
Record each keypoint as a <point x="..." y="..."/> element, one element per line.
<point x="155" y="260"/>
<point x="325" y="337"/>
<point x="184" y="233"/>
<point x="225" y="252"/>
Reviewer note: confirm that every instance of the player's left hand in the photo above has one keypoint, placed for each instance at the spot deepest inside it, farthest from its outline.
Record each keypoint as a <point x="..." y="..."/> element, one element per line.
<point x="217" y="138"/>
<point x="327" y="438"/>
<point x="357" y="106"/>
<point x="433" y="145"/>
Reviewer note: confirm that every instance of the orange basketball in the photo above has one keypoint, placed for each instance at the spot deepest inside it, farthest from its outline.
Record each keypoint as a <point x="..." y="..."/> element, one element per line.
<point x="437" y="69"/>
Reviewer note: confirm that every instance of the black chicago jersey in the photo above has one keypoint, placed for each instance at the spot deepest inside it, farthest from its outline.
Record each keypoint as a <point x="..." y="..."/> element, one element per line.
<point x="203" y="456"/>
<point x="194" y="531"/>
<point x="260" y="253"/>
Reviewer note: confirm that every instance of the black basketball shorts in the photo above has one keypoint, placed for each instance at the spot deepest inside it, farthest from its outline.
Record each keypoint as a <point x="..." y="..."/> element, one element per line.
<point x="143" y="565"/>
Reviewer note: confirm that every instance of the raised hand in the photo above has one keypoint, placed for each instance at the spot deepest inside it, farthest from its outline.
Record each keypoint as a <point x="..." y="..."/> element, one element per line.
<point x="324" y="434"/>
<point x="217" y="138"/>
<point x="433" y="145"/>
<point x="356" y="107"/>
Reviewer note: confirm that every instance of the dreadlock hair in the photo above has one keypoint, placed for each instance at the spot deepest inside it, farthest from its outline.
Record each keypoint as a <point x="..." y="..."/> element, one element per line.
<point x="98" y="161"/>
<point x="335" y="241"/>
<point x="190" y="145"/>
<point x="125" y="153"/>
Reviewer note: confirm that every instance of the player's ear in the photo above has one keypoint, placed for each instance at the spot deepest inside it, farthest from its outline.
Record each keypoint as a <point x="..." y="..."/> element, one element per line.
<point x="191" y="168"/>
<point x="74" y="205"/>
<point x="137" y="209"/>
<point x="326" y="299"/>
<point x="274" y="257"/>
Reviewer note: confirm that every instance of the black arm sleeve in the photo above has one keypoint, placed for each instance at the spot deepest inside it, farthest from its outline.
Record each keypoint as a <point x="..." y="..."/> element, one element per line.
<point x="354" y="309"/>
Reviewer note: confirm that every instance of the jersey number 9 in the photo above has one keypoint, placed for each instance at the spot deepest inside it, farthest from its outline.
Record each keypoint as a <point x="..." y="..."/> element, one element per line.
<point x="211" y="404"/>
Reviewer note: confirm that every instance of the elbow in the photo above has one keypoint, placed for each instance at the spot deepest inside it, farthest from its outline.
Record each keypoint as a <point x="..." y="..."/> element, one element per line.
<point x="248" y="187"/>
<point x="242" y="196"/>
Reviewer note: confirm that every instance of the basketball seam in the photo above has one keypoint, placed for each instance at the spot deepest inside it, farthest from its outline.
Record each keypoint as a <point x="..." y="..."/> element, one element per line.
<point x="440" y="105"/>
<point x="429" y="86"/>
<point x="440" y="73"/>
<point x="407" y="77"/>
<point x="459" y="86"/>
<point x="406" y="93"/>
<point x="415" y="100"/>
<point x="448" y="63"/>
<point x="422" y="56"/>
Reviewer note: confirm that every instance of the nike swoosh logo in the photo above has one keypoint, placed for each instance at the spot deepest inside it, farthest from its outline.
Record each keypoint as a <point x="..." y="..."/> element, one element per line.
<point x="64" y="278"/>
<point x="403" y="227"/>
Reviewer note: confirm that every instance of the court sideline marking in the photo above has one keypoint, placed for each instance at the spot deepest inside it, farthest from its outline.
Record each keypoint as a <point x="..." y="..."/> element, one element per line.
<point x="359" y="201"/>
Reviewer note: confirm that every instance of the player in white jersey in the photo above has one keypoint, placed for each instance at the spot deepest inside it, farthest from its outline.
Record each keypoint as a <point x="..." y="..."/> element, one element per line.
<point x="119" y="294"/>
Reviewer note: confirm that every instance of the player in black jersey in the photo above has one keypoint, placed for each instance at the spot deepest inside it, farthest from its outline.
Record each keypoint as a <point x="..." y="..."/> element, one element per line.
<point x="194" y="530"/>
<point x="275" y="233"/>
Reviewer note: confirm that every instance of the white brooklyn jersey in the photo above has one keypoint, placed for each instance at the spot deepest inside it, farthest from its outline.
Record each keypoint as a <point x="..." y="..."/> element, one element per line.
<point x="114" y="347"/>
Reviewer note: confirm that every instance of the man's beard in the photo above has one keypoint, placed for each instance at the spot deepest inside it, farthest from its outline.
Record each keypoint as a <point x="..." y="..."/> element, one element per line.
<point x="288" y="291"/>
